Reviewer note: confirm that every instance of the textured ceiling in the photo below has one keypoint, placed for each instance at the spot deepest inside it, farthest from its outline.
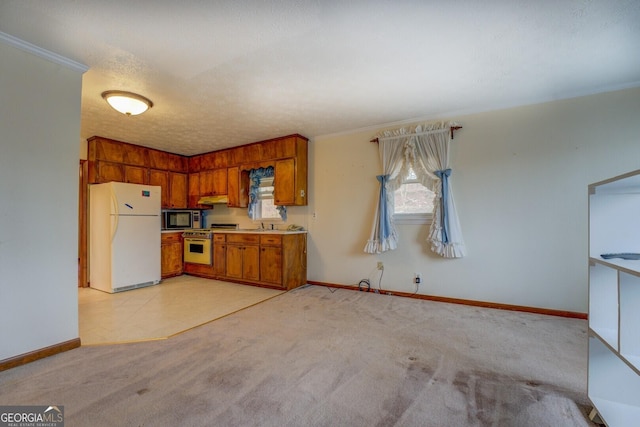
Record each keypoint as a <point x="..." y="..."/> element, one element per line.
<point x="229" y="72"/>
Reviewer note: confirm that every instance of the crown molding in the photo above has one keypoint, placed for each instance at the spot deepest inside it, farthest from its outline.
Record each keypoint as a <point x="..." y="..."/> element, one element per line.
<point x="43" y="53"/>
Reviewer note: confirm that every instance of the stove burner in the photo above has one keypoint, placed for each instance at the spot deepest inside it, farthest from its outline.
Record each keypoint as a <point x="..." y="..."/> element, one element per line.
<point x="200" y="234"/>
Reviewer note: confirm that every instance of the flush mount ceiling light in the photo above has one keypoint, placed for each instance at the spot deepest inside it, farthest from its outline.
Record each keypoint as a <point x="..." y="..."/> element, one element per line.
<point x="128" y="103"/>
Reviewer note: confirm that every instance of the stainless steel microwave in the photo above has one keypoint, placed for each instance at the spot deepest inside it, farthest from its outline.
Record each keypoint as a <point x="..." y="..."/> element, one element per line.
<point x="181" y="219"/>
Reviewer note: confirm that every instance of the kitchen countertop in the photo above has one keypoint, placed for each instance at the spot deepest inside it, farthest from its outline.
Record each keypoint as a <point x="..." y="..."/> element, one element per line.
<point x="242" y="231"/>
<point x="256" y="231"/>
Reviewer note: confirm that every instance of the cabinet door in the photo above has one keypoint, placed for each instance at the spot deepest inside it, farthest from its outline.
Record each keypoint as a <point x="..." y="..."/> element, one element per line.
<point x="171" y="255"/>
<point x="220" y="259"/>
<point x="136" y="175"/>
<point x="106" y="149"/>
<point x="233" y="187"/>
<point x="251" y="263"/>
<point x="271" y="264"/>
<point x="213" y="182"/>
<point x="177" y="163"/>
<point x="107" y="172"/>
<point x="234" y="261"/>
<point x="284" y="182"/>
<point x="279" y="148"/>
<point x="134" y="155"/>
<point x="158" y="159"/>
<point x="193" y="190"/>
<point x="161" y="178"/>
<point x="177" y="190"/>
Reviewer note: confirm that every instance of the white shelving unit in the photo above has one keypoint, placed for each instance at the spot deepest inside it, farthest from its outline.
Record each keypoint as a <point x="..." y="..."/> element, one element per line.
<point x="614" y="300"/>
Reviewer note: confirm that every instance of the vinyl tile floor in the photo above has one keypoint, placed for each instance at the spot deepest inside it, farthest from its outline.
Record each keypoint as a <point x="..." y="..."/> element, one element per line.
<point x="157" y="312"/>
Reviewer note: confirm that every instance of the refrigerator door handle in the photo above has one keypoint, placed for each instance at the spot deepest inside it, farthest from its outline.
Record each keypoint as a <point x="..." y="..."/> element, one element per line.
<point x="116" y="214"/>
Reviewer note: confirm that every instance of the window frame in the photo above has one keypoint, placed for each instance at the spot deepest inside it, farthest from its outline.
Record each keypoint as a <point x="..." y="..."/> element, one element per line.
<point x="411" y="218"/>
<point x="265" y="182"/>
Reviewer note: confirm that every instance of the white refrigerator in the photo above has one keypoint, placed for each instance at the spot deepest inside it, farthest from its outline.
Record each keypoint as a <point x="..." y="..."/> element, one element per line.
<point x="124" y="236"/>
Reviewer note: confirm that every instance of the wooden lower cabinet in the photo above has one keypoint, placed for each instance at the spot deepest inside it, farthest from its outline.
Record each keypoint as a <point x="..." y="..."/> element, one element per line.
<point x="271" y="259"/>
<point x="264" y="259"/>
<point x="243" y="256"/>
<point x="171" y="254"/>
<point x="219" y="254"/>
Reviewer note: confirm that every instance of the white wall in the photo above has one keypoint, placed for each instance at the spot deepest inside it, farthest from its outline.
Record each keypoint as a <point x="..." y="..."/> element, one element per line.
<point x="40" y="123"/>
<point x="520" y="181"/>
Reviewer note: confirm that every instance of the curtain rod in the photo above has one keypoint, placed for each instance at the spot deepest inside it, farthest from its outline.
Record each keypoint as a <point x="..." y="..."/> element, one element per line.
<point x="452" y="128"/>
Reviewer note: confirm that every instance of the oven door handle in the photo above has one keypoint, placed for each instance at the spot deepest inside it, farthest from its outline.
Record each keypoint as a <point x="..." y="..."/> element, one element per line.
<point x="188" y="239"/>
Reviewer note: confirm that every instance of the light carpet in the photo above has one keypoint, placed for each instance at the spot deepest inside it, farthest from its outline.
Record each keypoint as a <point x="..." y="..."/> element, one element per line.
<point x="320" y="357"/>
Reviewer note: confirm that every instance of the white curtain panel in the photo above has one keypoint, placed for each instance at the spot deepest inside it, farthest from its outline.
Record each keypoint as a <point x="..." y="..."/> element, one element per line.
<point x="431" y="151"/>
<point x="384" y="236"/>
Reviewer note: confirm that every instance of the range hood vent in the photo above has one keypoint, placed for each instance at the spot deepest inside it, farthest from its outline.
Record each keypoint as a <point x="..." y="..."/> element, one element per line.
<point x="213" y="200"/>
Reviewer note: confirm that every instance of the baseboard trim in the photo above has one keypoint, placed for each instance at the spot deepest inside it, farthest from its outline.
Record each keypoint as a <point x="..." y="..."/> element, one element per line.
<point x="32" y="356"/>
<point x="509" y="307"/>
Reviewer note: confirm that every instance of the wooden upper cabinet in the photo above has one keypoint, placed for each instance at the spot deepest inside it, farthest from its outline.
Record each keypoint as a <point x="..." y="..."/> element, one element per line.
<point x="177" y="190"/>
<point x="214" y="160"/>
<point x="290" y="178"/>
<point x="284" y="193"/>
<point x="193" y="189"/>
<point x="158" y="160"/>
<point x="238" y="187"/>
<point x="195" y="164"/>
<point x="178" y="163"/>
<point x="161" y="178"/>
<point x="233" y="187"/>
<point x="223" y="172"/>
<point x="136" y="174"/>
<point x="213" y="182"/>
<point x="174" y="187"/>
<point x="279" y="148"/>
<point x="167" y="161"/>
<point x="135" y="155"/>
<point x="246" y="154"/>
<point x="106" y="149"/>
<point x="100" y="172"/>
<point x="117" y="152"/>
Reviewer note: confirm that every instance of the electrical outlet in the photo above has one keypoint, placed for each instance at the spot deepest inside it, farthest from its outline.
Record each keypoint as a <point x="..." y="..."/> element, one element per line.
<point x="380" y="265"/>
<point x="416" y="279"/>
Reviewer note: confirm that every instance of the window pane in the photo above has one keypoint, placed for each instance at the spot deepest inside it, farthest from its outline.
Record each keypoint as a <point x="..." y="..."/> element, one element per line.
<point x="268" y="209"/>
<point x="413" y="198"/>
<point x="411" y="176"/>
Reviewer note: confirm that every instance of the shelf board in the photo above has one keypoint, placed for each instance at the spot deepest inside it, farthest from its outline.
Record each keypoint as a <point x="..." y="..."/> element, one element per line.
<point x="629" y="182"/>
<point x="608" y="336"/>
<point x="616" y="413"/>
<point x="628" y="266"/>
<point x="633" y="360"/>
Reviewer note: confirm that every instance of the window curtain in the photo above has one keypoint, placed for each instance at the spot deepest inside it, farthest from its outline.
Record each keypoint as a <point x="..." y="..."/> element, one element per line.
<point x="426" y="149"/>
<point x="255" y="175"/>
<point x="431" y="164"/>
<point x="384" y="236"/>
